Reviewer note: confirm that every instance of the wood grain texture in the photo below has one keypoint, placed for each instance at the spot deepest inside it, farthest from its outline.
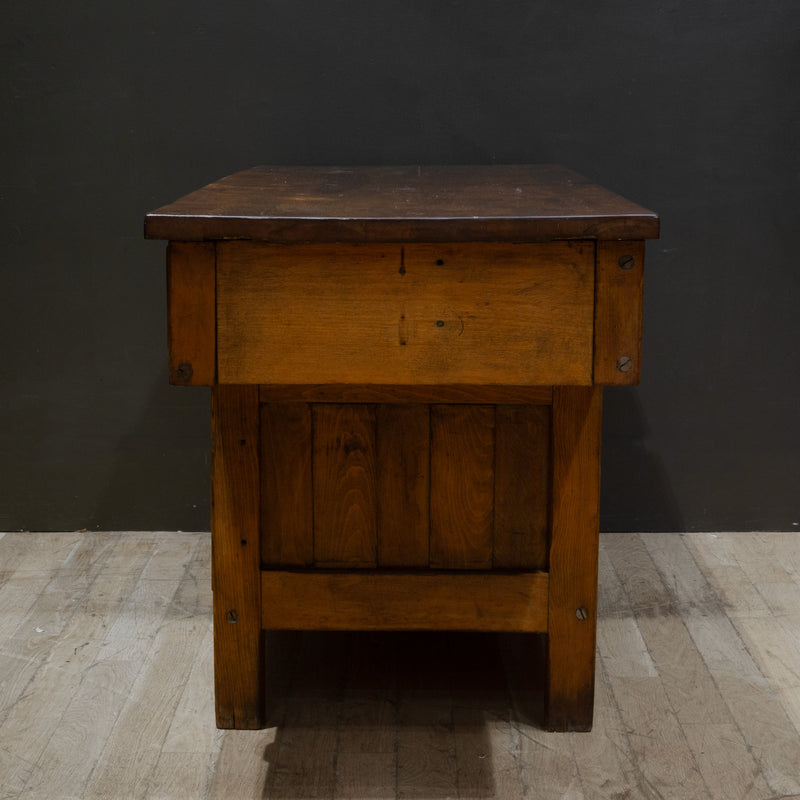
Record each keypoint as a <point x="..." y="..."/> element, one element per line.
<point x="462" y="486"/>
<point x="375" y="393"/>
<point x="522" y="487"/>
<point x="426" y="749"/>
<point x="618" y="312"/>
<point x="151" y="702"/>
<point x="77" y="723"/>
<point x="403" y="466"/>
<point x="287" y="518"/>
<point x="345" y="486"/>
<point x="662" y="585"/>
<point x="314" y="734"/>
<point x="577" y="414"/>
<point x="402" y="203"/>
<point x="235" y="517"/>
<point x="419" y="314"/>
<point x="402" y="601"/>
<point x="190" y="731"/>
<point x="191" y="310"/>
<point x="63" y="605"/>
<point x="241" y="768"/>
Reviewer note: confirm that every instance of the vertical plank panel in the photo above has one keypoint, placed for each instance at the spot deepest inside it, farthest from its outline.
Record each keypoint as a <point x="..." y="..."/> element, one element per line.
<point x="403" y="433"/>
<point x="522" y="483"/>
<point x="577" y="415"/>
<point x="191" y="307"/>
<point x="287" y="534"/>
<point x="345" y="491"/>
<point x="462" y="486"/>
<point x="238" y="644"/>
<point x="618" y="312"/>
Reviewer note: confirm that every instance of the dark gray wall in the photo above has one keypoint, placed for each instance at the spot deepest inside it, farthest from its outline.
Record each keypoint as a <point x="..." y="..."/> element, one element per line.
<point x="108" y="110"/>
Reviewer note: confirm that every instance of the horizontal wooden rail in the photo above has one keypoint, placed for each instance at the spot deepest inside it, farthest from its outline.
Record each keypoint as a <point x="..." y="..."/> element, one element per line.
<point x="468" y="601"/>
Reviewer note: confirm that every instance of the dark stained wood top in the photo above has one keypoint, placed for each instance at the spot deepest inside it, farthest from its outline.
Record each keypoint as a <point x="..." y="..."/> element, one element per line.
<point x="402" y="204"/>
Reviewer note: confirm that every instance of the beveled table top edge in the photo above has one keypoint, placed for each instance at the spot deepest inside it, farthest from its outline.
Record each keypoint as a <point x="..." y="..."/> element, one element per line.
<point x="409" y="204"/>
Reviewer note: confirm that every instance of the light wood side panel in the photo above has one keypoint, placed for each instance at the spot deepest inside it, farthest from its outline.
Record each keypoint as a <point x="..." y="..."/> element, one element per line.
<point x="287" y="523"/>
<point x="403" y="446"/>
<point x="462" y="486"/>
<point x="416" y="314"/>
<point x="618" y="313"/>
<point x="372" y="393"/>
<point x="238" y="645"/>
<point x="398" y="601"/>
<point x="522" y="483"/>
<point x="572" y="616"/>
<point x="345" y="492"/>
<point x="191" y="309"/>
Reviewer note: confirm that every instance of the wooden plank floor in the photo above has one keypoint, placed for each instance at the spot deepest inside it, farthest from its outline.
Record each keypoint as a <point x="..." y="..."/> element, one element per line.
<point x="106" y="684"/>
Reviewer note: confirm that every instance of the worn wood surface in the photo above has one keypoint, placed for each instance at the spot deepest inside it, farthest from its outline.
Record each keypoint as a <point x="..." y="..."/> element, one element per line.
<point x="403" y="475"/>
<point x="522" y="487"/>
<point x="402" y="601"/>
<point x="371" y="393"/>
<point x="619" y="280"/>
<point x="462" y="487"/>
<point x="404" y="485"/>
<point x="113" y="697"/>
<point x="404" y="203"/>
<point x="287" y="500"/>
<point x="345" y="486"/>
<point x="572" y="616"/>
<point x="191" y="313"/>
<point x="414" y="314"/>
<point x="238" y="644"/>
<point x="452" y="486"/>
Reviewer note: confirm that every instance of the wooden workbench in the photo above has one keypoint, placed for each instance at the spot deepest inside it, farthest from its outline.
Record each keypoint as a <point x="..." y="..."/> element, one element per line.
<point x="406" y="366"/>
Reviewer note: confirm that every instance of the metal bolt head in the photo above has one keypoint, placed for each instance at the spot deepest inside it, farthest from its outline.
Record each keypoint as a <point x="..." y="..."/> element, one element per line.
<point x="627" y="261"/>
<point x="582" y="613"/>
<point x="185" y="371"/>
<point x="231" y="616"/>
<point x="624" y="364"/>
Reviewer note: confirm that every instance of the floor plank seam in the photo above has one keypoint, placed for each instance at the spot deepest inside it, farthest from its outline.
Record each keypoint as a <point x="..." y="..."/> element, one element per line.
<point x="693" y="644"/>
<point x="732" y="622"/>
<point x="660" y="680"/>
<point x="119" y="716"/>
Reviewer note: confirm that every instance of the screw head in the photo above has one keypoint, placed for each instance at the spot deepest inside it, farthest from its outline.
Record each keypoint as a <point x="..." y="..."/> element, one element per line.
<point x="582" y="613"/>
<point x="624" y="364"/>
<point x="185" y="371"/>
<point x="627" y="261"/>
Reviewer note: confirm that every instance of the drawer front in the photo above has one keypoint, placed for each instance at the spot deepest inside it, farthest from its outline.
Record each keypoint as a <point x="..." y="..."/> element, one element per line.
<point x="405" y="314"/>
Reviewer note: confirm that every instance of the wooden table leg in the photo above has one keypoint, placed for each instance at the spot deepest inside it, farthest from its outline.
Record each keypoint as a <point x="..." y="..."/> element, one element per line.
<point x="236" y="578"/>
<point x="572" y="614"/>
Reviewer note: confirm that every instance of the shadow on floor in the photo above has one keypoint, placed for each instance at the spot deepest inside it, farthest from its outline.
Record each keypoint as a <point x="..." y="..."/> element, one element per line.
<point x="396" y="714"/>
